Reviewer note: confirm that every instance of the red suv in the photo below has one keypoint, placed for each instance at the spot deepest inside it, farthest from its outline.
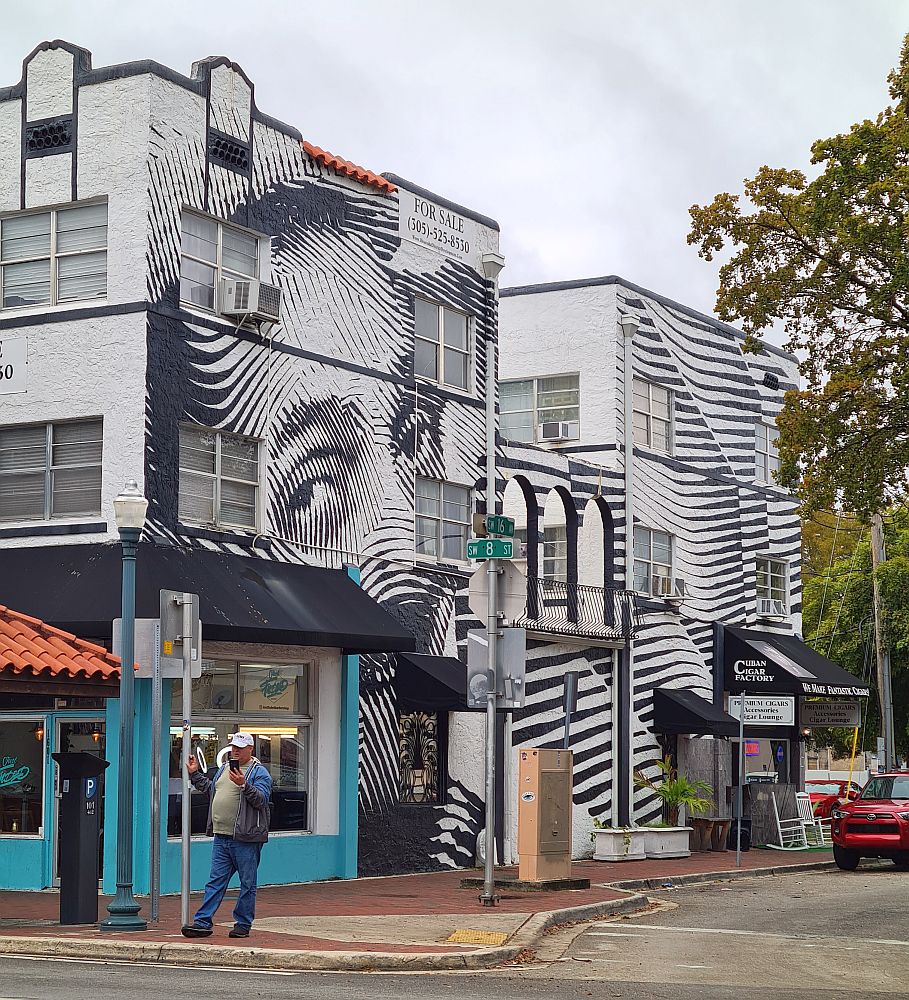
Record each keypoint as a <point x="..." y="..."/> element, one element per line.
<point x="875" y="825"/>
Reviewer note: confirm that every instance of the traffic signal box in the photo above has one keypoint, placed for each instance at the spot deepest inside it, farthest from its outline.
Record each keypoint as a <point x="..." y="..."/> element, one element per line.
<point x="544" y="815"/>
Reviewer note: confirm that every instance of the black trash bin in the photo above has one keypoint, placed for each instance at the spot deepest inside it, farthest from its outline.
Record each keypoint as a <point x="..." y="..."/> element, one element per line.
<point x="746" y="834"/>
<point x="81" y="792"/>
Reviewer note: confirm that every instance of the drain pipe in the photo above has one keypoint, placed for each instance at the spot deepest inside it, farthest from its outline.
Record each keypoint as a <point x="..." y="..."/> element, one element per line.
<point x="623" y="691"/>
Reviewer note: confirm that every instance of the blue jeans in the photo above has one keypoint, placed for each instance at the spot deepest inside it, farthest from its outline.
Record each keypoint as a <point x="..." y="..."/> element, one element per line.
<point x="229" y="856"/>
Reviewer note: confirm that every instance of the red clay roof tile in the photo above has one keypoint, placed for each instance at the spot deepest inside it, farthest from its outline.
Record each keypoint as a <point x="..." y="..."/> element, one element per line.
<point x="28" y="645"/>
<point x="347" y="168"/>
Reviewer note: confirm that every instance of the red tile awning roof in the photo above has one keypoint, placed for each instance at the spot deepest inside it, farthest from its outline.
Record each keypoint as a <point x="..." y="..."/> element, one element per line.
<point x="33" y="648"/>
<point x="347" y="168"/>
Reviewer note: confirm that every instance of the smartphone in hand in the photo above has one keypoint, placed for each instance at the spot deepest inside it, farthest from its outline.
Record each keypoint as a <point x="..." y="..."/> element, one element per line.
<point x="233" y="764"/>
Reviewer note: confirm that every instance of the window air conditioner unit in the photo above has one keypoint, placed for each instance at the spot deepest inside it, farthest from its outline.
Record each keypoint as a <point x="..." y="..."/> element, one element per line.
<point x="767" y="607"/>
<point x="668" y="588"/>
<point x="559" y="430"/>
<point x="251" y="298"/>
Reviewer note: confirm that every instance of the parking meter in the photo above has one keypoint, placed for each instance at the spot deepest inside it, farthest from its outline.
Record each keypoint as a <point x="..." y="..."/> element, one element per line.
<point x="80" y="815"/>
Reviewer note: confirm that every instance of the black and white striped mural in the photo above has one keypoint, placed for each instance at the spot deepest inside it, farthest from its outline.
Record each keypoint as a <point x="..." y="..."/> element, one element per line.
<point x="347" y="429"/>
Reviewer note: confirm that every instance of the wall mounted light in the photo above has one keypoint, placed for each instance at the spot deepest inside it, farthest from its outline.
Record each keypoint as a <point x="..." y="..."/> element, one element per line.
<point x="39" y="731"/>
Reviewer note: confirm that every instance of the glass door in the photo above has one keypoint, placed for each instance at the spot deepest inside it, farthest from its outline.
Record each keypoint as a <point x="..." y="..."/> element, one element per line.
<point x="74" y="736"/>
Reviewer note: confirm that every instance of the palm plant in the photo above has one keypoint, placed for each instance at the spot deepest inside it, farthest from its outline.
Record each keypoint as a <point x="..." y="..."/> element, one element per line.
<point x="675" y="792"/>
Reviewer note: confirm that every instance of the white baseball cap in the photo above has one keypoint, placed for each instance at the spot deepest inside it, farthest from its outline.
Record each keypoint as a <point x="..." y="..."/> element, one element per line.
<point x="242" y="740"/>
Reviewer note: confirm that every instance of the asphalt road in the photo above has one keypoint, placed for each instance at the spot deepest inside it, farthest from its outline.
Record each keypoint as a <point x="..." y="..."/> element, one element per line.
<point x="790" y="938"/>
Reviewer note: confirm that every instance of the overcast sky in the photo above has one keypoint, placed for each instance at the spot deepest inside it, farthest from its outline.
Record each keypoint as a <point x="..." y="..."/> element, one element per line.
<point x="585" y="127"/>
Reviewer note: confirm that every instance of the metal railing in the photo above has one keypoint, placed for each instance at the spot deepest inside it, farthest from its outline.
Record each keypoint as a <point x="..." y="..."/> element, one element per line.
<point x="573" y="609"/>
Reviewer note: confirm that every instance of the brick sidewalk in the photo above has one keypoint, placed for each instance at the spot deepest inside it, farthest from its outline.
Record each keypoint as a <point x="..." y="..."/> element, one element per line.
<point x="435" y="896"/>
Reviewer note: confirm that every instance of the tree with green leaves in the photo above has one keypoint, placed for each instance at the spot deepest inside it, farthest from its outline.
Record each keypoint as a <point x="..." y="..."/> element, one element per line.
<point x="828" y="257"/>
<point x="838" y="622"/>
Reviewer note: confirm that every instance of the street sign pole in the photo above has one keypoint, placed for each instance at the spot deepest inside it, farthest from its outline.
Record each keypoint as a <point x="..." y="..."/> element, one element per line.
<point x="188" y="635"/>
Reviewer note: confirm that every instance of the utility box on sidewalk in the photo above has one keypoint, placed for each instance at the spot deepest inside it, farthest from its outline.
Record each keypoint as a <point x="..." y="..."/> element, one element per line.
<point x="544" y="814"/>
<point x="80" y="814"/>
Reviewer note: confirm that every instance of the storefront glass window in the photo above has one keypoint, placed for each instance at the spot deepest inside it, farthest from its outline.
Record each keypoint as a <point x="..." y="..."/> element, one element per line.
<point x="270" y="701"/>
<point x="21" y="776"/>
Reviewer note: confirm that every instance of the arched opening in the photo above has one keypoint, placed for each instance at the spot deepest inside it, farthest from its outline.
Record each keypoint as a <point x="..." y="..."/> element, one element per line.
<point x="560" y="550"/>
<point x="596" y="545"/>
<point x="520" y="503"/>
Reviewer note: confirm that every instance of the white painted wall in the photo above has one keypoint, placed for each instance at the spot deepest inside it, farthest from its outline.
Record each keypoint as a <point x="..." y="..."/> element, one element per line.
<point x="87" y="368"/>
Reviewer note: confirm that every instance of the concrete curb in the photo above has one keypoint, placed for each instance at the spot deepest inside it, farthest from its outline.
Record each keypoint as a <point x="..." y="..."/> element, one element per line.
<point x="653" y="884"/>
<point x="178" y="953"/>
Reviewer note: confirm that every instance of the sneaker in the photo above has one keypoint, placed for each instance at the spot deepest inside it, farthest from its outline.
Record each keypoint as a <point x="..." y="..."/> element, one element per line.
<point x="195" y="931"/>
<point x="238" y="931"/>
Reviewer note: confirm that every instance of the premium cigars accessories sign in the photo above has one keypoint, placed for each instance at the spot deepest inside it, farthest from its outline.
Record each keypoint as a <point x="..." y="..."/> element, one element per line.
<point x="764" y="711"/>
<point x="842" y="714"/>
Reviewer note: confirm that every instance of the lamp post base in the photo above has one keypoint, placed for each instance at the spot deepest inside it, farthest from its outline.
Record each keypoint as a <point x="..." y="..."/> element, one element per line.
<point x="124" y="913"/>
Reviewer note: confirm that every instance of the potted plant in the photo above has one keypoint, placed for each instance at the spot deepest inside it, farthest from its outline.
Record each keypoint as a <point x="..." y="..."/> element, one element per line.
<point x="674" y="791"/>
<point x="618" y="843"/>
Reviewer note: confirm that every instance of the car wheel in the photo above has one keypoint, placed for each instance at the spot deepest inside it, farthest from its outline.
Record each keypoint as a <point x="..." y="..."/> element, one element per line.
<point x="845" y="859"/>
<point x="901" y="859"/>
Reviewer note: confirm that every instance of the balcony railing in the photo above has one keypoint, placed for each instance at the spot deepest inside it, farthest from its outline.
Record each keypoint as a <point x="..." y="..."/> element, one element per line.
<point x="572" y="609"/>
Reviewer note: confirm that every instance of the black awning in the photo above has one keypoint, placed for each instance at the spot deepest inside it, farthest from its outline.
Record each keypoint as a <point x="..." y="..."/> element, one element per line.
<point x="757" y="662"/>
<point x="430" y="683"/>
<point x="77" y="588"/>
<point x="679" y="711"/>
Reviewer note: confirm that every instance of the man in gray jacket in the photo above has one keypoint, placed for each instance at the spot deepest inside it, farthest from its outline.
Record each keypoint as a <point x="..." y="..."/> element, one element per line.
<point x="238" y="815"/>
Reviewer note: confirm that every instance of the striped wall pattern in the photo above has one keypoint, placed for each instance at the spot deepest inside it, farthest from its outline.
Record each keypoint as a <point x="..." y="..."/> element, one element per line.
<point x="347" y="429"/>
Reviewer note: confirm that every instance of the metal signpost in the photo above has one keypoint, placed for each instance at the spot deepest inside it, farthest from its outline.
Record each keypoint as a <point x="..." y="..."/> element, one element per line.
<point x="491" y="549"/>
<point x="511" y="659"/>
<point x="180" y="638"/>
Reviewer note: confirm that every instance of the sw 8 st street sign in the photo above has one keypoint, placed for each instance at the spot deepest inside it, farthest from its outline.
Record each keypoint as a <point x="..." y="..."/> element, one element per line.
<point x="490" y="548"/>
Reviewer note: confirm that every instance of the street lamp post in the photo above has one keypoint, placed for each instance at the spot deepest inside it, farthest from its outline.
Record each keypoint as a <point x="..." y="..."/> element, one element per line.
<point x="129" y="510"/>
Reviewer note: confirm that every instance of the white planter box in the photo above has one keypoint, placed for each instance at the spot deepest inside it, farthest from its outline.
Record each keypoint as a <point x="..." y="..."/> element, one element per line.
<point x="667" y="841"/>
<point x="620" y="845"/>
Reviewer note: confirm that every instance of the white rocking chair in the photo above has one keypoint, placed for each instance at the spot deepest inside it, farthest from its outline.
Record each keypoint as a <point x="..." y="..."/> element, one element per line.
<point x="791" y="831"/>
<point x="814" y="826"/>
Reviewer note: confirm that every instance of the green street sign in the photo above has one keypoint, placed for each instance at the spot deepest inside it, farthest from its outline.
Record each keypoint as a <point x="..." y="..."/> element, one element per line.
<point x="489" y="548"/>
<point x="498" y="525"/>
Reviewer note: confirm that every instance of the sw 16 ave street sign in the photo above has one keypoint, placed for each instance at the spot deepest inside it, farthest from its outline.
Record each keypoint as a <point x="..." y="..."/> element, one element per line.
<point x="490" y="548"/>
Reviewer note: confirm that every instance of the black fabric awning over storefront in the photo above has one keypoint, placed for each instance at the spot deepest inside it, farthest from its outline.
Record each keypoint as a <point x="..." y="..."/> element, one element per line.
<point x="681" y="712"/>
<point x="766" y="662"/>
<point x="77" y="588"/>
<point x="430" y="683"/>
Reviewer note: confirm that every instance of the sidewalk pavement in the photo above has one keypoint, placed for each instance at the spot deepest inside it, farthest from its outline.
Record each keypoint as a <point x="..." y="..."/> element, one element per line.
<point x="407" y="922"/>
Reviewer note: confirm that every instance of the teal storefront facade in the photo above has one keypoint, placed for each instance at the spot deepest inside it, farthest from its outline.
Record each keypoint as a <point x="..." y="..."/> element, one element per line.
<point x="299" y="699"/>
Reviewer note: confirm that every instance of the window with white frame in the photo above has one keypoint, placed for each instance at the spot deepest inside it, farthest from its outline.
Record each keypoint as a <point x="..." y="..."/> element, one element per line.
<point x="652" y="560"/>
<point x="209" y="251"/>
<point x="555" y="552"/>
<point x="441" y="344"/>
<point x="767" y="458"/>
<point x="772" y="581"/>
<point x="219" y="478"/>
<point x="442" y="520"/>
<point x="652" y="415"/>
<point x="526" y="405"/>
<point x="54" y="256"/>
<point x="50" y="470"/>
